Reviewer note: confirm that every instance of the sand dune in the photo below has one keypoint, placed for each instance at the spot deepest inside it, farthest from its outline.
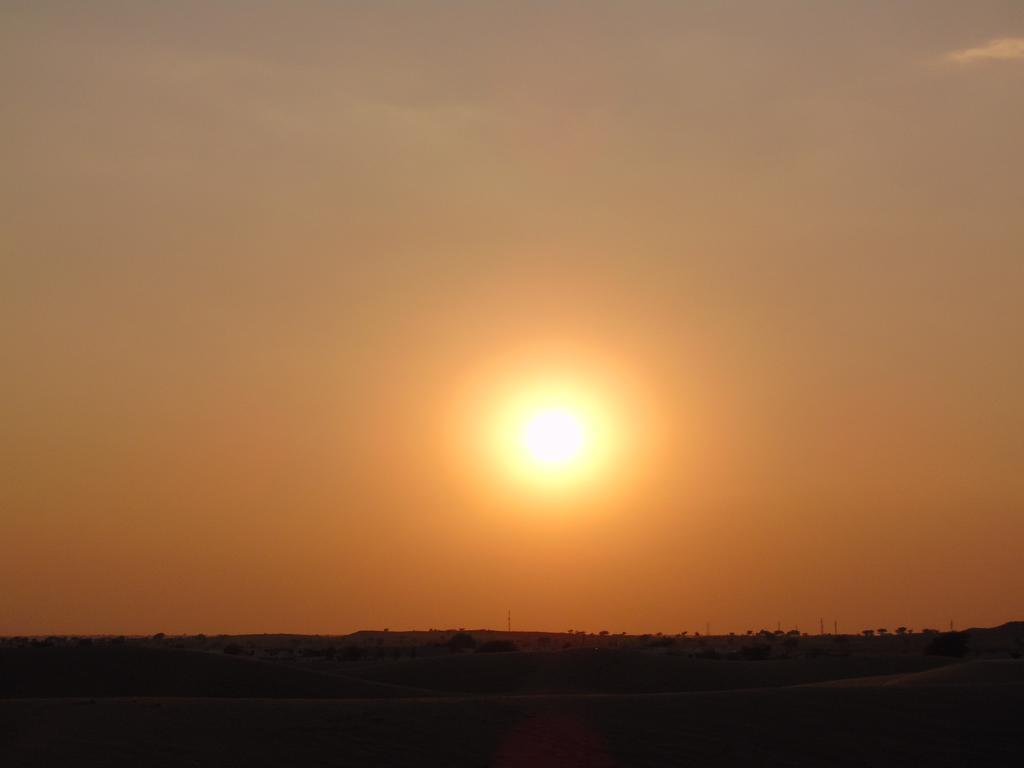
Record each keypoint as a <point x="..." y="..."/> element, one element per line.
<point x="611" y="671"/>
<point x="142" y="671"/>
<point x="939" y="727"/>
<point x="125" y="706"/>
<point x="981" y="673"/>
<point x="137" y="671"/>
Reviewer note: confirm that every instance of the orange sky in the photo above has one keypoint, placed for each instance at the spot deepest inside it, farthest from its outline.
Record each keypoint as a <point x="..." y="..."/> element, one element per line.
<point x="268" y="273"/>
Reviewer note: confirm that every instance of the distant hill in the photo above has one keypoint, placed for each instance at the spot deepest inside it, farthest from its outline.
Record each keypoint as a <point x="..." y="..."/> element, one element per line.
<point x="1007" y="638"/>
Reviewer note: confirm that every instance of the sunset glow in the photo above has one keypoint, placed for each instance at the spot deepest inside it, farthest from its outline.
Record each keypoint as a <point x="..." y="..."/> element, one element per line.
<point x="361" y="303"/>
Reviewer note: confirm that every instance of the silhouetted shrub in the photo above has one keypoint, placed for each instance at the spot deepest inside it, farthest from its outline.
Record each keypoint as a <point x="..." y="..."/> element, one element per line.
<point x="461" y="641"/>
<point x="233" y="649"/>
<point x="497" y="646"/>
<point x="757" y="652"/>
<point x="948" y="644"/>
<point x="352" y="653"/>
<point x="660" y="642"/>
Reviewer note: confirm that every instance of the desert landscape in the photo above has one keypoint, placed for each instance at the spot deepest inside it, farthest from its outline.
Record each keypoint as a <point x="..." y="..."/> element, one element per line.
<point x="489" y="698"/>
<point x="511" y="383"/>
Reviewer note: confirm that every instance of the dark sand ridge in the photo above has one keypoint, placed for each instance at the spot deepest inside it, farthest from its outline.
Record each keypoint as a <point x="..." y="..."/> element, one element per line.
<point x="612" y="671"/>
<point x="973" y="673"/>
<point x="138" y="671"/>
<point x="141" y="671"/>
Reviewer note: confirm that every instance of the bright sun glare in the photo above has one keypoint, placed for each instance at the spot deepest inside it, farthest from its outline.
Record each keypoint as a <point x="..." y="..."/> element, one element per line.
<point x="554" y="437"/>
<point x="548" y="435"/>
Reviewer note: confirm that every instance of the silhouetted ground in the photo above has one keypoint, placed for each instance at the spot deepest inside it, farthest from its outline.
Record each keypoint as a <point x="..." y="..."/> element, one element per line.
<point x="949" y="726"/>
<point x="637" y="702"/>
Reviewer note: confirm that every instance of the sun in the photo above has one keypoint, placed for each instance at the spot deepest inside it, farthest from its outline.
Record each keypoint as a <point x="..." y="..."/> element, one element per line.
<point x="554" y="437"/>
<point x="546" y="434"/>
<point x="551" y="435"/>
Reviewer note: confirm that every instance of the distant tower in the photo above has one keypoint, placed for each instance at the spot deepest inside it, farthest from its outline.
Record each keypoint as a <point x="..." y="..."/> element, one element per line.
<point x="835" y="626"/>
<point x="821" y="625"/>
<point x="509" y="620"/>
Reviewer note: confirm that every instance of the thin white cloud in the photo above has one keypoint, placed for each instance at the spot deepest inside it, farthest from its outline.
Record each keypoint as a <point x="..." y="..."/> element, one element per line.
<point x="1000" y="49"/>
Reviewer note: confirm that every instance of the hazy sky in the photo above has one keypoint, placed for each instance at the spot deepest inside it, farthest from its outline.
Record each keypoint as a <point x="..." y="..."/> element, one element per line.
<point x="265" y="269"/>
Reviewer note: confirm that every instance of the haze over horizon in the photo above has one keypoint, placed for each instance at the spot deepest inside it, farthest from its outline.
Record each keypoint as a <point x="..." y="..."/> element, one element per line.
<point x="278" y="281"/>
